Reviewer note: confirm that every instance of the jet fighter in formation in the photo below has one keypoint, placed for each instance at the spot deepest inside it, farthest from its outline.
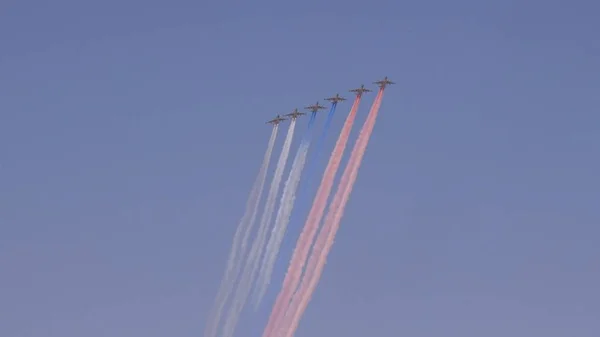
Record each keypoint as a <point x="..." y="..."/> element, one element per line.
<point x="383" y="83"/>
<point x="361" y="90"/>
<point x="295" y="114"/>
<point x="335" y="99"/>
<point x="278" y="119"/>
<point x="315" y="107"/>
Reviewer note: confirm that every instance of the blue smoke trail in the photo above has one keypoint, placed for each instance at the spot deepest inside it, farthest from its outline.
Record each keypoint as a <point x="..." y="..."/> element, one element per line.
<point x="308" y="134"/>
<point x="312" y="164"/>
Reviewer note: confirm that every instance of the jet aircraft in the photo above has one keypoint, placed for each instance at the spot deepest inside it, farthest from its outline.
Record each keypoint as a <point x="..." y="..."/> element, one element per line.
<point x="295" y="114"/>
<point x="361" y="90"/>
<point x="335" y="99"/>
<point x="276" y="120"/>
<point x="383" y="83"/>
<point x="315" y="108"/>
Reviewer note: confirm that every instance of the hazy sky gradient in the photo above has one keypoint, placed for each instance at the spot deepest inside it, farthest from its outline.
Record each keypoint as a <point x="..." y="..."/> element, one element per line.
<point x="131" y="132"/>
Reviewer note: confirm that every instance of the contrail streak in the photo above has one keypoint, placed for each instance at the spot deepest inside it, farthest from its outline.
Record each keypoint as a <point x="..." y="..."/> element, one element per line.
<point x="282" y="219"/>
<point x="331" y="225"/>
<point x="243" y="230"/>
<point x="251" y="266"/>
<point x="311" y="226"/>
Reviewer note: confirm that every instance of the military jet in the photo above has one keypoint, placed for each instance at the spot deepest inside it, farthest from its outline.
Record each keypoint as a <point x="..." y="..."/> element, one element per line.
<point x="276" y="120"/>
<point x="315" y="108"/>
<point x="335" y="99"/>
<point x="295" y="114"/>
<point x="361" y="90"/>
<point x="383" y="83"/>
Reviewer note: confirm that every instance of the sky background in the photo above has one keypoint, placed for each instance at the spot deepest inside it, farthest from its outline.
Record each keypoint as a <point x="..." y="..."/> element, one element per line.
<point x="131" y="132"/>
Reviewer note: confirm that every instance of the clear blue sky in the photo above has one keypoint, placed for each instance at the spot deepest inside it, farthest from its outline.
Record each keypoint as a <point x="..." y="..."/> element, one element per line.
<point x="131" y="131"/>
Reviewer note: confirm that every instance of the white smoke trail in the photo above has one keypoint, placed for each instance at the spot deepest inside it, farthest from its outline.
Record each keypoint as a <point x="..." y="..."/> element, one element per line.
<point x="281" y="222"/>
<point x="251" y="266"/>
<point x="243" y="230"/>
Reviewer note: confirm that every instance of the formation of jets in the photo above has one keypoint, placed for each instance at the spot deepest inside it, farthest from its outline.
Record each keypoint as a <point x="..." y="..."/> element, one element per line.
<point x="337" y="98"/>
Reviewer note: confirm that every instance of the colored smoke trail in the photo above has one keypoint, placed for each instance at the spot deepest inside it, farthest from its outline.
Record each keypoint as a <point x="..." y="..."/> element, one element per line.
<point x="251" y="266"/>
<point x="243" y="230"/>
<point x="331" y="225"/>
<point x="282" y="219"/>
<point x="319" y="146"/>
<point x="311" y="225"/>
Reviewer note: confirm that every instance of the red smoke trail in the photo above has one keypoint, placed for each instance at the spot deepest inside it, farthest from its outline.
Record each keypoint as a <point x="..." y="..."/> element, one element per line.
<point x="326" y="237"/>
<point x="294" y="272"/>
